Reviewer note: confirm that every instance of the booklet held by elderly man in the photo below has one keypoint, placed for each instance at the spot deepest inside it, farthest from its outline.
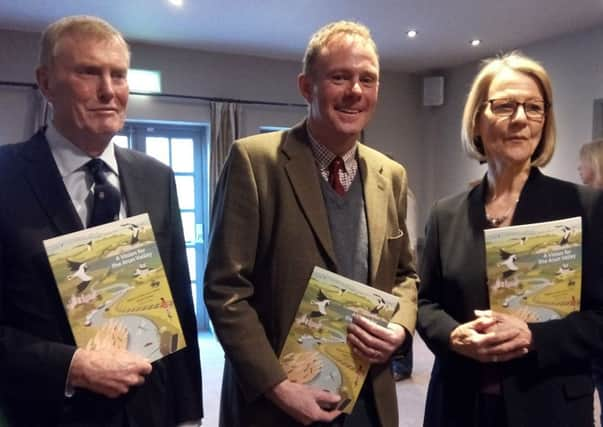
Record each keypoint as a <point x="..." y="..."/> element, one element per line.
<point x="114" y="288"/>
<point x="535" y="270"/>
<point x="316" y="351"/>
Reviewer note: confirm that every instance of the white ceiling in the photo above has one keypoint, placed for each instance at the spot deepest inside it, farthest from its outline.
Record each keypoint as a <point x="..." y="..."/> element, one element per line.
<point x="281" y="28"/>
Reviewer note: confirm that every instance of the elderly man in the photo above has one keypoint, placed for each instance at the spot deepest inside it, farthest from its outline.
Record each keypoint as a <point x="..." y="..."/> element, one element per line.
<point x="292" y="200"/>
<point x="47" y="189"/>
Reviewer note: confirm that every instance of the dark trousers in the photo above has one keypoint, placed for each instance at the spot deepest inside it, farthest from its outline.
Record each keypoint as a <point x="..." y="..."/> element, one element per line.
<point x="402" y="365"/>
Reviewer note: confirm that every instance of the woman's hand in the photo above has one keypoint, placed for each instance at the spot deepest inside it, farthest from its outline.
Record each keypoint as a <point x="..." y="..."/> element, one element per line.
<point x="520" y="335"/>
<point x="492" y="337"/>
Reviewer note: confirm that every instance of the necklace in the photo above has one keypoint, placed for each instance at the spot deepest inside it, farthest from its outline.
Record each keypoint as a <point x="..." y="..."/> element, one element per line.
<point x="495" y="221"/>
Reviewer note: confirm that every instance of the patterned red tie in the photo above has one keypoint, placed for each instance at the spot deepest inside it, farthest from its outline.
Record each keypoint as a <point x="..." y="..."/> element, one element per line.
<point x="334" y="168"/>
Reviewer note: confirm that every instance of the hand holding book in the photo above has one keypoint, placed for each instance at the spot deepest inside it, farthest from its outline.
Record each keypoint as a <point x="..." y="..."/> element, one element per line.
<point x="374" y="342"/>
<point x="108" y="372"/>
<point x="304" y="403"/>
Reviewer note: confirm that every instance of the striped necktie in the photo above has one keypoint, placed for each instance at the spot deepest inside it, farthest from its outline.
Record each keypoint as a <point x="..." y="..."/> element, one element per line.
<point x="107" y="199"/>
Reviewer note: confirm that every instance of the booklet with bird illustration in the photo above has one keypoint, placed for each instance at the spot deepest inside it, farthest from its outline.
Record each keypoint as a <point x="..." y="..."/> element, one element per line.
<point x="114" y="289"/>
<point x="535" y="270"/>
<point x="316" y="351"/>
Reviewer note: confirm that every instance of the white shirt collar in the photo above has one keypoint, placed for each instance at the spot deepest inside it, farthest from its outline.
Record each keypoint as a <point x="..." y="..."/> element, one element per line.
<point x="324" y="156"/>
<point x="70" y="157"/>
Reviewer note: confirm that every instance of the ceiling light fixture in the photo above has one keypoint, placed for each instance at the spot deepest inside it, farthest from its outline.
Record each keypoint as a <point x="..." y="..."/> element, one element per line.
<point x="411" y="34"/>
<point x="475" y="42"/>
<point x="176" y="2"/>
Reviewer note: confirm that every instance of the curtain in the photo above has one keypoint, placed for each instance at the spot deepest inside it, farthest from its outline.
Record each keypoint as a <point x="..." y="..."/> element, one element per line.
<point x="225" y="122"/>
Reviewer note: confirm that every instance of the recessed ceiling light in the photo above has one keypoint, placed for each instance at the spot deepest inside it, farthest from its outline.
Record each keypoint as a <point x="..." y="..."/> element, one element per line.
<point x="411" y="34"/>
<point x="176" y="2"/>
<point x="475" y="42"/>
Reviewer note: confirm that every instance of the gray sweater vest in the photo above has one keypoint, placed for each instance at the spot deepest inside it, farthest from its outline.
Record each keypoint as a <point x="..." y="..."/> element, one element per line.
<point x="347" y="221"/>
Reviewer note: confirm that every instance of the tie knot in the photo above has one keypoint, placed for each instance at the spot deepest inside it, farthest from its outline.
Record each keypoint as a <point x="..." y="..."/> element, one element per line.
<point x="96" y="168"/>
<point x="336" y="165"/>
<point x="107" y="200"/>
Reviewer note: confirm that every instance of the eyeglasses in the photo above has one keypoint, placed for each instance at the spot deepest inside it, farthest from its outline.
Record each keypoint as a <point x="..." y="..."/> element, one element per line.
<point x="505" y="107"/>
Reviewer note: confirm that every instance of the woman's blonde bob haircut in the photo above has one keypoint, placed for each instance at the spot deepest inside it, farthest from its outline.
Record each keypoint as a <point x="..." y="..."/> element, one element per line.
<point x="478" y="98"/>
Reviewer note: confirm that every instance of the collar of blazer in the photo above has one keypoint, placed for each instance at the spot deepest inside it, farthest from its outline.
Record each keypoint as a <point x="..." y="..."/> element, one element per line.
<point x="47" y="184"/>
<point x="45" y="180"/>
<point x="376" y="188"/>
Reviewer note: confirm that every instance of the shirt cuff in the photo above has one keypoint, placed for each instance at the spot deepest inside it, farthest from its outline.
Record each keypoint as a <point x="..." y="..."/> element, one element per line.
<point x="69" y="389"/>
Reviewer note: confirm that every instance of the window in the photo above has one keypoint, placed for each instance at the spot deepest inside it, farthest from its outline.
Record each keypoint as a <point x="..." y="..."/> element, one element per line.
<point x="186" y="150"/>
<point x="148" y="81"/>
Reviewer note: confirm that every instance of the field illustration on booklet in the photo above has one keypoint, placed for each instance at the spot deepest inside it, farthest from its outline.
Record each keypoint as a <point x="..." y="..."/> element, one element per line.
<point x="535" y="270"/>
<point x="114" y="288"/>
<point x="316" y="352"/>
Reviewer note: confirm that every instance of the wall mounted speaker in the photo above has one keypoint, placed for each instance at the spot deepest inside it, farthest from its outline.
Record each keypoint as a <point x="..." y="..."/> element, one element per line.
<point x="433" y="91"/>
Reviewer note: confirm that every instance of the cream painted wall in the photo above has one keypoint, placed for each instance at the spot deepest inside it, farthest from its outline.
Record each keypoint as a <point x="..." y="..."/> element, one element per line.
<point x="575" y="64"/>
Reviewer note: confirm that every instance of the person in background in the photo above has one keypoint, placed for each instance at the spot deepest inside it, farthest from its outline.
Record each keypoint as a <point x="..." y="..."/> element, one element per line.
<point x="590" y="167"/>
<point x="50" y="185"/>
<point x="491" y="368"/>
<point x="291" y="200"/>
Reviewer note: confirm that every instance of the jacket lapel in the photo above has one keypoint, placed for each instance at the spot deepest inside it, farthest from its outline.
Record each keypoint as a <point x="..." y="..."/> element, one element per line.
<point x="131" y="182"/>
<point x="375" y="199"/>
<point x="306" y="186"/>
<point x="535" y="205"/>
<point x="43" y="175"/>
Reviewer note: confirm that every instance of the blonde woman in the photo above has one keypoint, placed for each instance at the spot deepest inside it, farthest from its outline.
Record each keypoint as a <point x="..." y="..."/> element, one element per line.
<point x="492" y="369"/>
<point x="591" y="164"/>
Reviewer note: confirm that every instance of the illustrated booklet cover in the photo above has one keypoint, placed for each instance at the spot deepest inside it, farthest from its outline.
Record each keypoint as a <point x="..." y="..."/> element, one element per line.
<point x="316" y="352"/>
<point x="535" y="270"/>
<point x="114" y="288"/>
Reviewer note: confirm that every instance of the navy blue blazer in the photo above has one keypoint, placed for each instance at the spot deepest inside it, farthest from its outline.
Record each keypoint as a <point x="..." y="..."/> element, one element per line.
<point x="36" y="344"/>
<point x="552" y="385"/>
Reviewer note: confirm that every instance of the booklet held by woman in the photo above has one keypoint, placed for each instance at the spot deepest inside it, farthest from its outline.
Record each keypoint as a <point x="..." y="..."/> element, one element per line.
<point x="535" y="270"/>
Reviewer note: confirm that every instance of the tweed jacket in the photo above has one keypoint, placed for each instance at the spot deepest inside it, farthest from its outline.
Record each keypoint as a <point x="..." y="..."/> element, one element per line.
<point x="269" y="229"/>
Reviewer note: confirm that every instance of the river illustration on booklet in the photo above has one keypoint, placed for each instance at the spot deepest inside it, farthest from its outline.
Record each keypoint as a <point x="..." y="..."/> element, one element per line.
<point x="316" y="351"/>
<point x="535" y="270"/>
<point x="114" y="289"/>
